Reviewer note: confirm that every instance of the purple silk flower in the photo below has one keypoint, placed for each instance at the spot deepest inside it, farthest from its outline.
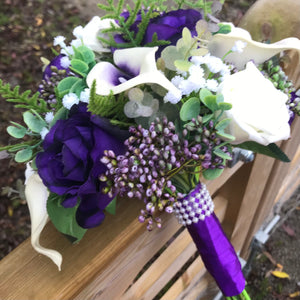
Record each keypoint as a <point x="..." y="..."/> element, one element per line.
<point x="70" y="163"/>
<point x="168" y="26"/>
<point x="196" y="212"/>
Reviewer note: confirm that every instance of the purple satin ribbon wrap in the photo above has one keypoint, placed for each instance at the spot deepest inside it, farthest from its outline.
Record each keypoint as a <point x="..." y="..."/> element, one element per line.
<point x="216" y="251"/>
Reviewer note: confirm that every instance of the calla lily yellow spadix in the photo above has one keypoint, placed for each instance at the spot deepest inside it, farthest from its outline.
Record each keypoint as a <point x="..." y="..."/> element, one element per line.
<point x="36" y="195"/>
<point x="133" y="66"/>
<point x="221" y="44"/>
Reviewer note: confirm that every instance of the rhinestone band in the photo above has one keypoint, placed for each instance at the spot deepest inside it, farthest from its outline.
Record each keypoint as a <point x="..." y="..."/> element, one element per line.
<point x="195" y="206"/>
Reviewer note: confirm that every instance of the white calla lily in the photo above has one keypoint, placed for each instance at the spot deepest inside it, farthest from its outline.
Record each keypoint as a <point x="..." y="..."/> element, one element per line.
<point x="93" y="30"/>
<point x="36" y="195"/>
<point x="133" y="66"/>
<point x="220" y="44"/>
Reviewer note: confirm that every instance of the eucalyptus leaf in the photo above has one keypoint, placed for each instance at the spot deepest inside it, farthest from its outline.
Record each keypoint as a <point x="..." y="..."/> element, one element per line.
<point x="223" y="124"/>
<point x="222" y="154"/>
<point x="225" y="106"/>
<point x="64" y="219"/>
<point x="225" y="136"/>
<point x="65" y="85"/>
<point x="23" y="155"/>
<point x="211" y="174"/>
<point x="79" y="66"/>
<point x="207" y="118"/>
<point x="190" y="109"/>
<point x="62" y="114"/>
<point x="211" y="103"/>
<point x="182" y="65"/>
<point x="204" y="93"/>
<point x="16" y="132"/>
<point x="78" y="87"/>
<point x="85" y="54"/>
<point x="34" y="123"/>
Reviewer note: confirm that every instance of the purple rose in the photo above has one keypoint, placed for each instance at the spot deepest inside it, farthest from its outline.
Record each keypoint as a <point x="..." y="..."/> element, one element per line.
<point x="167" y="26"/>
<point x="70" y="163"/>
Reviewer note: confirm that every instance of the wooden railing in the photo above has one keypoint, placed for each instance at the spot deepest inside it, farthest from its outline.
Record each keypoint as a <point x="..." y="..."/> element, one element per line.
<point x="121" y="260"/>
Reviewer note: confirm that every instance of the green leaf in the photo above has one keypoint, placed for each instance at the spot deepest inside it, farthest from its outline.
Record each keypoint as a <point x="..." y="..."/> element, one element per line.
<point x="78" y="87"/>
<point x="225" y="136"/>
<point x="225" y="106"/>
<point x="190" y="109"/>
<point x="222" y="154"/>
<point x="64" y="219"/>
<point x="23" y="155"/>
<point x="220" y="98"/>
<point x="207" y="118"/>
<point x="182" y="65"/>
<point x="211" y="103"/>
<point x="271" y="150"/>
<point x="211" y="174"/>
<point x="85" y="54"/>
<point x="223" y="124"/>
<point x="34" y="123"/>
<point x="111" y="207"/>
<point x="224" y="29"/>
<point x="204" y="93"/>
<point x="16" y="132"/>
<point x="65" y="85"/>
<point x="62" y="114"/>
<point x="79" y="66"/>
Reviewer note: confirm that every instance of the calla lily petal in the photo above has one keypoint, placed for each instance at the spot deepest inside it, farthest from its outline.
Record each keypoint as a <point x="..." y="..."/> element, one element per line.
<point x="92" y="31"/>
<point x="36" y="195"/>
<point x="137" y="62"/>
<point x="258" y="52"/>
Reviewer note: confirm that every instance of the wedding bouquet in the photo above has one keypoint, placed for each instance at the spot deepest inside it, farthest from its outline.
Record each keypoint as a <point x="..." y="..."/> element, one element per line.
<point x="143" y="103"/>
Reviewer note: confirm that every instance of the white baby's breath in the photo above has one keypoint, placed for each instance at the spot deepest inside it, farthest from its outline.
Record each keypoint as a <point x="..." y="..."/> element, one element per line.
<point x="59" y="41"/>
<point x="69" y="100"/>
<point x="44" y="132"/>
<point x="65" y="62"/>
<point x="49" y="117"/>
<point x="85" y="95"/>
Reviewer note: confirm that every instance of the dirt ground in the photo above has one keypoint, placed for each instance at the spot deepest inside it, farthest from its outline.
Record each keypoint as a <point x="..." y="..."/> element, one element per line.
<point x="27" y="28"/>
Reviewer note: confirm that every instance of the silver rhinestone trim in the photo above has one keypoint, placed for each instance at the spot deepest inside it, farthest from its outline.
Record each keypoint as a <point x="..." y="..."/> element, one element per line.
<point x="196" y="206"/>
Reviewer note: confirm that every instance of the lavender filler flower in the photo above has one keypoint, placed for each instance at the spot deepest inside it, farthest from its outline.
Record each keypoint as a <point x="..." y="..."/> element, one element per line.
<point x="157" y="161"/>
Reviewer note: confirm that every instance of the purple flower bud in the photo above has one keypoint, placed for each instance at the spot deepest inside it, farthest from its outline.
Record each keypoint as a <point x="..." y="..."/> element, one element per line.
<point x="149" y="193"/>
<point x="143" y="178"/>
<point x="145" y="133"/>
<point x="154" y="187"/>
<point x="169" y="209"/>
<point x="175" y="138"/>
<point x="141" y="219"/>
<point x="149" y="206"/>
<point x="130" y="194"/>
<point x="105" y="160"/>
<point x="111" y="154"/>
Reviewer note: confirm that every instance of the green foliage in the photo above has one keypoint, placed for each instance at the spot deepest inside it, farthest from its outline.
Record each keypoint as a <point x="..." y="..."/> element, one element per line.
<point x="111" y="207"/>
<point x="153" y="7"/>
<point x="23" y="100"/>
<point x="111" y="107"/>
<point x="190" y="109"/>
<point x="64" y="219"/>
<point x="271" y="150"/>
<point x="211" y="174"/>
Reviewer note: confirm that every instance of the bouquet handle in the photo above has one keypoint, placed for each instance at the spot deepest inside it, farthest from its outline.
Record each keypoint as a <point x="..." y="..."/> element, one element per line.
<point x="195" y="211"/>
